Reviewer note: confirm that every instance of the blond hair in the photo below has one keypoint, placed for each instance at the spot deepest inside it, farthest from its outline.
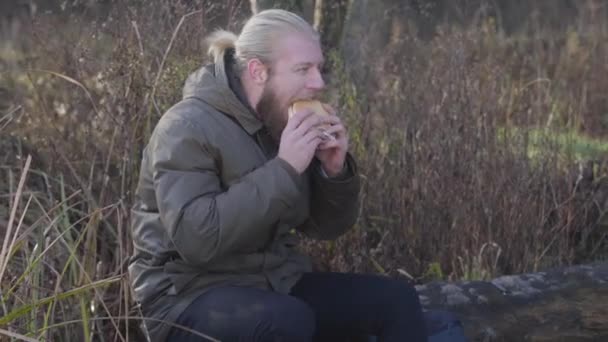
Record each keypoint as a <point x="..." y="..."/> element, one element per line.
<point x="258" y="37"/>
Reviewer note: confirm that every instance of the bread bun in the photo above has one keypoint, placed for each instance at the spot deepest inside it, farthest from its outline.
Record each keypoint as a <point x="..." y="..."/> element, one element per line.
<point x="316" y="107"/>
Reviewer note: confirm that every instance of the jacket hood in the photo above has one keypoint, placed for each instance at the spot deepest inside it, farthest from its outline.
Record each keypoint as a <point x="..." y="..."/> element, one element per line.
<point x="211" y="84"/>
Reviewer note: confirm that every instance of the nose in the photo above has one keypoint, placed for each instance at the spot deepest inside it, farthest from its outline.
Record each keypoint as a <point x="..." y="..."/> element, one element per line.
<point x="315" y="80"/>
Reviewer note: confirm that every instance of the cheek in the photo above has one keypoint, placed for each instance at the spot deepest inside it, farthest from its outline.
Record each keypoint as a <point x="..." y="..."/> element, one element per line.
<point x="288" y="88"/>
<point x="285" y="95"/>
<point x="293" y="86"/>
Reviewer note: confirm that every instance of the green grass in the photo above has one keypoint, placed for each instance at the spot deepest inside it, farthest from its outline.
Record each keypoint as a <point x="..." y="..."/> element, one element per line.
<point x="57" y="256"/>
<point x="568" y="143"/>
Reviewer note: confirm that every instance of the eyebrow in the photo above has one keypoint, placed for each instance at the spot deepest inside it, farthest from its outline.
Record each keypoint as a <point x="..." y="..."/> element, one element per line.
<point x="308" y="64"/>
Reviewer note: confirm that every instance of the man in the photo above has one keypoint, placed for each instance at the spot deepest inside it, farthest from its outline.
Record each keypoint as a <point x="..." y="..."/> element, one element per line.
<point x="228" y="181"/>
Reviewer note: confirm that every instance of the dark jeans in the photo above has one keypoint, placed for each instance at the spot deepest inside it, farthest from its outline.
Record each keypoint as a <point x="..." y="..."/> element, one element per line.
<point x="321" y="307"/>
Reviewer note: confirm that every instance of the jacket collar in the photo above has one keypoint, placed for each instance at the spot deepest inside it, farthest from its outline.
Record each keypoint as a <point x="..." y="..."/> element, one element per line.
<point x="219" y="86"/>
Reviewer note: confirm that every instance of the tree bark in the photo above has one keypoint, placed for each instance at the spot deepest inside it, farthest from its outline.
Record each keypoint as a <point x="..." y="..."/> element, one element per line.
<point x="365" y="33"/>
<point x="304" y="8"/>
<point x="560" y="304"/>
<point x="318" y="17"/>
<point x="329" y="18"/>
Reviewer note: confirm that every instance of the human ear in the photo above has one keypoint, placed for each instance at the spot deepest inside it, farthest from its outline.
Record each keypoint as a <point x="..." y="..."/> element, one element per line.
<point x="258" y="71"/>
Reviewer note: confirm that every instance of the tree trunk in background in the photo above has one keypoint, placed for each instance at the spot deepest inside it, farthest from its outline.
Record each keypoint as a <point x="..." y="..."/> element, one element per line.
<point x="329" y="18"/>
<point x="304" y="8"/>
<point x="318" y="14"/>
<point x="367" y="30"/>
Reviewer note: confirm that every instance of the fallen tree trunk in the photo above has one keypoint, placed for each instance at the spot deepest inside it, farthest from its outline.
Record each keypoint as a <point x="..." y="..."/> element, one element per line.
<point x="565" y="304"/>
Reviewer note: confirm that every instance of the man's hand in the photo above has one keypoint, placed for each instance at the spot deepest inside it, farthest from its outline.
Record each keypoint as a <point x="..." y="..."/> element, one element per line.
<point x="301" y="138"/>
<point x="332" y="152"/>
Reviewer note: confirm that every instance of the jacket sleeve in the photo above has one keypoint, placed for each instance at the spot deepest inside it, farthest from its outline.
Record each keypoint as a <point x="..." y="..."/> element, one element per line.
<point x="334" y="202"/>
<point x="203" y="220"/>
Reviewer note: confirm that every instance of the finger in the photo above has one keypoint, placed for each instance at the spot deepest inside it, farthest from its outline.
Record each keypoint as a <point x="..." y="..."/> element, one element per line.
<point x="331" y="120"/>
<point x="327" y="136"/>
<point x="312" y="135"/>
<point x="328" y="144"/>
<point x="313" y="121"/>
<point x="334" y="133"/>
<point x="331" y="110"/>
<point x="336" y="129"/>
<point x="314" y="144"/>
<point x="312" y="139"/>
<point x="297" y="118"/>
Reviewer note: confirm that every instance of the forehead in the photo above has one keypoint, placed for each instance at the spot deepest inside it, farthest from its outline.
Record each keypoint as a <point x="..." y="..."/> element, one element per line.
<point x="297" y="48"/>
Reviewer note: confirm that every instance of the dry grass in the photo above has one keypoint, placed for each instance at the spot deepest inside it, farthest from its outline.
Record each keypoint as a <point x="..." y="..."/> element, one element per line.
<point x="470" y="146"/>
<point x="475" y="157"/>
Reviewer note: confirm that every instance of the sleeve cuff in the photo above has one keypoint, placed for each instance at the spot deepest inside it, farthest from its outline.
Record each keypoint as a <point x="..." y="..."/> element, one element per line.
<point x="348" y="171"/>
<point x="339" y="175"/>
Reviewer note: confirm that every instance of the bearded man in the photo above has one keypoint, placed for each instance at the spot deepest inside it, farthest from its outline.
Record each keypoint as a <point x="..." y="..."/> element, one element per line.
<point x="228" y="182"/>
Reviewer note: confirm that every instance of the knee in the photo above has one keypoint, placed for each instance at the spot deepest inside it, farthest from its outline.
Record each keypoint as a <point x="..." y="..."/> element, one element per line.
<point x="403" y="295"/>
<point x="293" y="321"/>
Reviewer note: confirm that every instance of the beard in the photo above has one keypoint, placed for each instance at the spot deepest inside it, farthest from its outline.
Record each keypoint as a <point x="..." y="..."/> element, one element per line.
<point x="272" y="113"/>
